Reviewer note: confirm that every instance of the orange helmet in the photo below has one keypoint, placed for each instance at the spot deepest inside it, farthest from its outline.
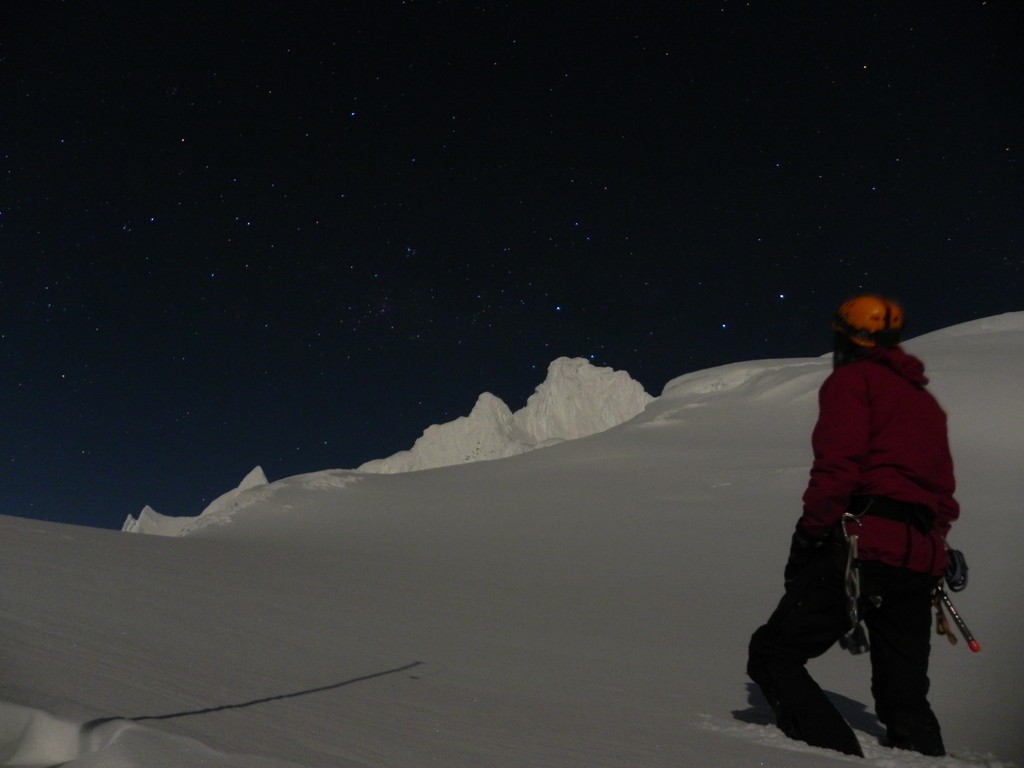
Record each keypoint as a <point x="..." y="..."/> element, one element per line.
<point x="870" y="321"/>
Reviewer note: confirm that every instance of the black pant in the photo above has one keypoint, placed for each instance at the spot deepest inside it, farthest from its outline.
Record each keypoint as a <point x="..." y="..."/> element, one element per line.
<point x="812" y="616"/>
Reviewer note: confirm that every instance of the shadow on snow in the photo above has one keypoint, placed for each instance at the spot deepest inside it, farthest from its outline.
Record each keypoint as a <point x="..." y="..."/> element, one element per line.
<point x="93" y="724"/>
<point x="759" y="712"/>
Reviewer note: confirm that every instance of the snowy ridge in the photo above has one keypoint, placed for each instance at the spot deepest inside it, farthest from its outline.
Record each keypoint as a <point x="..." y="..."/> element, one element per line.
<point x="219" y="511"/>
<point x="576" y="399"/>
<point x="486" y="433"/>
<point x="152" y="522"/>
<point x="253" y="491"/>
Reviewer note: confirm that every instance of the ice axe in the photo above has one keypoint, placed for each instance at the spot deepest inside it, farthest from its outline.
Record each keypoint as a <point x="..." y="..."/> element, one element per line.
<point x="942" y="626"/>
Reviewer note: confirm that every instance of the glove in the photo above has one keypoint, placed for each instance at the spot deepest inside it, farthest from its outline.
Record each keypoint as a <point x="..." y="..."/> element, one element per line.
<point x="803" y="548"/>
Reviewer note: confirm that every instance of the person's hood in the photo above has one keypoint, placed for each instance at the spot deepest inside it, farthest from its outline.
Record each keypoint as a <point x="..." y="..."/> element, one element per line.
<point x="907" y="366"/>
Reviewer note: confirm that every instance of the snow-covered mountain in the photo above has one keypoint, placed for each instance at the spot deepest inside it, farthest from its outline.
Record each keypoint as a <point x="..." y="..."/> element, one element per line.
<point x="575" y="400"/>
<point x="584" y="605"/>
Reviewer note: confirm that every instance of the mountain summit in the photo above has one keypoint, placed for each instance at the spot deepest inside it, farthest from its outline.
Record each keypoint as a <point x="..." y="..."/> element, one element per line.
<point x="575" y="400"/>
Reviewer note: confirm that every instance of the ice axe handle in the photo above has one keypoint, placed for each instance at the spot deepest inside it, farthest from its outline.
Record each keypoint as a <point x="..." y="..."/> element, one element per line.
<point x="973" y="644"/>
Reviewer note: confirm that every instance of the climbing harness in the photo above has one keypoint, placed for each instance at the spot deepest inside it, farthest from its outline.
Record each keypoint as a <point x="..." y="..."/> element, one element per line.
<point x="855" y="639"/>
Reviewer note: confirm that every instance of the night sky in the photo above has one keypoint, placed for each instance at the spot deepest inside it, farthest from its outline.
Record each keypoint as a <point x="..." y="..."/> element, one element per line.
<point x="296" y="234"/>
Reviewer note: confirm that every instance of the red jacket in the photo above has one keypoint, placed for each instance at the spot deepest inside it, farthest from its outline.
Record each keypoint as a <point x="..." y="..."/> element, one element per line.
<point x="881" y="433"/>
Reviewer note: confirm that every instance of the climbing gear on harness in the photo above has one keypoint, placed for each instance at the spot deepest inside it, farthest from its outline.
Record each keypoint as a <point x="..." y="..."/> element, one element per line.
<point x="956" y="570"/>
<point x="855" y="640"/>
<point x="941" y="622"/>
<point x="942" y="626"/>
<point x="915" y="517"/>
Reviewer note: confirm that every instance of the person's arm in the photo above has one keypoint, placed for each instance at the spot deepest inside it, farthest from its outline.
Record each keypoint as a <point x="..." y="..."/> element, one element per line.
<point x="840" y="441"/>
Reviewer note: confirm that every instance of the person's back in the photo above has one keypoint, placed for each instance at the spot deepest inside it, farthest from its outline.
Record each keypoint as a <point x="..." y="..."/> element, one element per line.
<point x="881" y="434"/>
<point x="879" y="501"/>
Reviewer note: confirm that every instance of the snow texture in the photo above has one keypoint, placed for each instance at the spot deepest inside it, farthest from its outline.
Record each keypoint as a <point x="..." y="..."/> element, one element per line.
<point x="584" y="605"/>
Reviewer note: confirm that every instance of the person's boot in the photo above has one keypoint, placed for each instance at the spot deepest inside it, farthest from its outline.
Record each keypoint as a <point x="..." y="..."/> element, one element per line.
<point x="820" y="725"/>
<point x="918" y="732"/>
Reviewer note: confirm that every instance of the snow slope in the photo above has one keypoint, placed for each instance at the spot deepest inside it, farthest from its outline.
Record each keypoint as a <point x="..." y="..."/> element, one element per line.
<point x="584" y="605"/>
